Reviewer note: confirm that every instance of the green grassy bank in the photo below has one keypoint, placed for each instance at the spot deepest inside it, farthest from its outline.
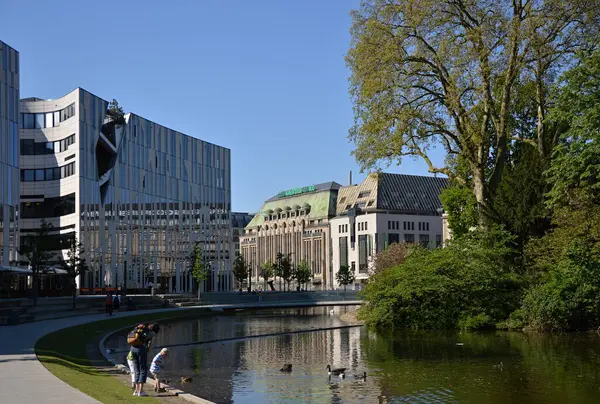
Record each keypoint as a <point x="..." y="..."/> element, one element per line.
<point x="70" y="354"/>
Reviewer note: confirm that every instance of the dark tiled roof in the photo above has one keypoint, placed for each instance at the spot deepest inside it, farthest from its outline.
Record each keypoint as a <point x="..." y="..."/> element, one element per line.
<point x="239" y="219"/>
<point x="410" y="193"/>
<point x="393" y="192"/>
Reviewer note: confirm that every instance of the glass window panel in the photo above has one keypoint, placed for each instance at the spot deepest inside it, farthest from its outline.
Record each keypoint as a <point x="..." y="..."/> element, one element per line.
<point x="28" y="175"/>
<point x="49" y="148"/>
<point x="39" y="121"/>
<point x="49" y="120"/>
<point x="56" y="119"/>
<point x="39" y="175"/>
<point x="28" y="121"/>
<point x="49" y="174"/>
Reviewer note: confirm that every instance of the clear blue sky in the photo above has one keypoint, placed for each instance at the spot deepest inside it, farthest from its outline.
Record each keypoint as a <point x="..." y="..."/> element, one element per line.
<point x="266" y="79"/>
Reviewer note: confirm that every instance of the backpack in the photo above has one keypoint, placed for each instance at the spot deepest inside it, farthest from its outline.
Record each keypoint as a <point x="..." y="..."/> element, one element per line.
<point x="109" y="301"/>
<point x="137" y="336"/>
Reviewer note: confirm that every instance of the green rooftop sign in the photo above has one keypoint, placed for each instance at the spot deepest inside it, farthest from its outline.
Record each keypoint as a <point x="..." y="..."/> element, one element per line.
<point x="296" y="191"/>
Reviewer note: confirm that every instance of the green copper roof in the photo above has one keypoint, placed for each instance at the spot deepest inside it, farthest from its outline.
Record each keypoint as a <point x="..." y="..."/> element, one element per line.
<point x="322" y="204"/>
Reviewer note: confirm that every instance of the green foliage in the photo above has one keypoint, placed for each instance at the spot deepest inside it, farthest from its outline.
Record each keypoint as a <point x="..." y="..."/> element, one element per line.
<point x="461" y="207"/>
<point x="569" y="297"/>
<point x="344" y="276"/>
<point x="283" y="268"/>
<point x="116" y="112"/>
<point x="564" y="262"/>
<point x="198" y="264"/>
<point x="575" y="170"/>
<point x="241" y="271"/>
<point x="471" y="283"/>
<point x="74" y="265"/>
<point x="303" y="274"/>
<point x="267" y="270"/>
<point x="36" y="250"/>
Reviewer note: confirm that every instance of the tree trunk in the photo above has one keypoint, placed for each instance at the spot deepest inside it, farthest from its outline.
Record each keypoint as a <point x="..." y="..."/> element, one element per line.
<point x="198" y="290"/>
<point x="479" y="192"/>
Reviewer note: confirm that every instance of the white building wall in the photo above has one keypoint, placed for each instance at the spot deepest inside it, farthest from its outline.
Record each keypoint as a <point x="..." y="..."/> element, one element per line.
<point x="379" y="226"/>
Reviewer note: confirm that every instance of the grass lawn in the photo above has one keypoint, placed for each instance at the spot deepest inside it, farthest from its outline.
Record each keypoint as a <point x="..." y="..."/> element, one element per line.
<point x="67" y="355"/>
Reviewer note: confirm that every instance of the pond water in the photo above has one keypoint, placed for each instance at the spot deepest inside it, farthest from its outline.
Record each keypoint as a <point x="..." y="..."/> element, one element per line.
<point x="406" y="367"/>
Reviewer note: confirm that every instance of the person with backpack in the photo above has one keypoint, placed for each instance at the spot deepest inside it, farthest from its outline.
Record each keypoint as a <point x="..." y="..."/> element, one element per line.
<point x="140" y="339"/>
<point x="109" y="304"/>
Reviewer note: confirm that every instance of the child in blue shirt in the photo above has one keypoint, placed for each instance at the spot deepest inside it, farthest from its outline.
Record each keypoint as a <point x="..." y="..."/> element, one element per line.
<point x="157" y="366"/>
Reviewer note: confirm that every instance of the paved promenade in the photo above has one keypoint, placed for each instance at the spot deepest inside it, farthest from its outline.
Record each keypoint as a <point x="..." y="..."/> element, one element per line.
<point x="25" y="380"/>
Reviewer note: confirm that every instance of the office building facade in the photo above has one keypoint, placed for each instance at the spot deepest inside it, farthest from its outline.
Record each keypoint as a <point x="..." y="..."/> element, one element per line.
<point x="136" y="194"/>
<point x="294" y="223"/>
<point x="382" y="210"/>
<point x="9" y="156"/>
<point x="239" y="221"/>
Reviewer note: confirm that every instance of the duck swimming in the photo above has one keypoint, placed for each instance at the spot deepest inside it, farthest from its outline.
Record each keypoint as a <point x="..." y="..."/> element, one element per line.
<point x="335" y="371"/>
<point x="286" y="368"/>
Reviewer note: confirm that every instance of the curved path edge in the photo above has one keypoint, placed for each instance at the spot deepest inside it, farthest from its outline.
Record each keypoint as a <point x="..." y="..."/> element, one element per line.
<point x="25" y="379"/>
<point x="180" y="393"/>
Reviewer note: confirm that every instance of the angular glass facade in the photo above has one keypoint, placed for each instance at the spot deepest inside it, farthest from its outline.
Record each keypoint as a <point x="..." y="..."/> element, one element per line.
<point x="9" y="154"/>
<point x="143" y="195"/>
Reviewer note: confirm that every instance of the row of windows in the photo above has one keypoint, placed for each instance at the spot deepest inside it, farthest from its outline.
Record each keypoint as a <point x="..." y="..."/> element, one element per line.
<point x="47" y="174"/>
<point x="343" y="228"/>
<point x="48" y="119"/>
<point x="362" y="226"/>
<point x="410" y="238"/>
<point x="50" y="207"/>
<point x="395" y="225"/>
<point x="30" y="147"/>
<point x="53" y="242"/>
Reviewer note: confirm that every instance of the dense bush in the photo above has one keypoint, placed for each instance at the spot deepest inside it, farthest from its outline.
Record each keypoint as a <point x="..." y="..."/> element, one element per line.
<point x="471" y="284"/>
<point x="569" y="297"/>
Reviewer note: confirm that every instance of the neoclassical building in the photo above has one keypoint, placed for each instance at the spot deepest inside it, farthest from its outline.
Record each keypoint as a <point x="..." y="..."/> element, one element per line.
<point x="9" y="156"/>
<point x="294" y="222"/>
<point x="137" y="194"/>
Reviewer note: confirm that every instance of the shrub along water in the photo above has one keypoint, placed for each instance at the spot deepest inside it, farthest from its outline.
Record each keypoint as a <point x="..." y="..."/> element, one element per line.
<point x="471" y="284"/>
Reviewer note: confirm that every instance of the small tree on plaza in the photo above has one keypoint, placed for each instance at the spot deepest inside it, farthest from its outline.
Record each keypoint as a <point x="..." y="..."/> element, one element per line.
<point x="303" y="274"/>
<point x="198" y="266"/>
<point x="278" y="267"/>
<point x="267" y="271"/>
<point x="36" y="249"/>
<point x="344" y="276"/>
<point x="287" y="271"/>
<point x="241" y="271"/>
<point x="74" y="265"/>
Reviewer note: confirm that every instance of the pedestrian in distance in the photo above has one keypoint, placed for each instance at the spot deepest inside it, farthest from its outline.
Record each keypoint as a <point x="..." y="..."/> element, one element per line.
<point x="109" y="304"/>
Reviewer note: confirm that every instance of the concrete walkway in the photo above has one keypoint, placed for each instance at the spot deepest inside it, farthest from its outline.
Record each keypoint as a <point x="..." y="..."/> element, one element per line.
<point x="25" y="380"/>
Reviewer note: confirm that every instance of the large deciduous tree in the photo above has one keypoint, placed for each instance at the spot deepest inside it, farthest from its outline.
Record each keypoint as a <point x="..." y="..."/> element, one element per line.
<point x="450" y="72"/>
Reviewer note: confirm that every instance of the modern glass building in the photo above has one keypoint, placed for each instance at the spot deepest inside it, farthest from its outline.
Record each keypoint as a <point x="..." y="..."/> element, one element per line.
<point x="9" y="155"/>
<point x="136" y="194"/>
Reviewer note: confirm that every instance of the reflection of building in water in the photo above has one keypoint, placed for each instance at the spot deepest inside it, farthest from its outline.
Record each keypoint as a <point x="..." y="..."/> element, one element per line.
<point x="135" y="193"/>
<point x="9" y="155"/>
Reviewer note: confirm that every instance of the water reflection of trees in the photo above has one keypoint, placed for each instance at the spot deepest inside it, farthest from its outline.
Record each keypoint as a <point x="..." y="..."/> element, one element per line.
<point x="492" y="368"/>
